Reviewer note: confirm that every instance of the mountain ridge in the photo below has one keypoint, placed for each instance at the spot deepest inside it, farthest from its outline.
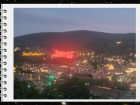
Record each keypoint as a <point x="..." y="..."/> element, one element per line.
<point x="77" y="30"/>
<point x="78" y="40"/>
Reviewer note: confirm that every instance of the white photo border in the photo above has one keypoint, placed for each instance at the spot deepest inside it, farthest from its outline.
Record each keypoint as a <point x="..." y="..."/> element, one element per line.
<point x="10" y="54"/>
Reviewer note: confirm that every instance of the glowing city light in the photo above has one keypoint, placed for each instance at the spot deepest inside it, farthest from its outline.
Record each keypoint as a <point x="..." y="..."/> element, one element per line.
<point x="51" y="77"/>
<point x="62" y="54"/>
<point x="32" y="54"/>
<point x="28" y="86"/>
<point x="49" y="83"/>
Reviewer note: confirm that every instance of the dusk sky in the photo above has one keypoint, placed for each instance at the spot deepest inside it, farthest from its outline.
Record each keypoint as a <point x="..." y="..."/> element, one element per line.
<point x="111" y="20"/>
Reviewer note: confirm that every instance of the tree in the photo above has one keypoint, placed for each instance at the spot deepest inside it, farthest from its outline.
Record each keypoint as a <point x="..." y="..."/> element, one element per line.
<point x="77" y="75"/>
<point x="24" y="90"/>
<point x="72" y="89"/>
<point x="115" y="78"/>
<point x="52" y="92"/>
<point x="133" y="79"/>
<point x="90" y="82"/>
<point x="124" y="63"/>
<point x="105" y="96"/>
<point x="94" y="64"/>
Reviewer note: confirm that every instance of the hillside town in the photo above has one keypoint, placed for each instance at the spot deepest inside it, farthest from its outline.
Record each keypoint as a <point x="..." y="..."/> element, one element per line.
<point x="111" y="68"/>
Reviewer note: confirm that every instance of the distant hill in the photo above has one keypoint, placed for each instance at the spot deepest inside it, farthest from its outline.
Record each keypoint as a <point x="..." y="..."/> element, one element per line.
<point x="99" y="42"/>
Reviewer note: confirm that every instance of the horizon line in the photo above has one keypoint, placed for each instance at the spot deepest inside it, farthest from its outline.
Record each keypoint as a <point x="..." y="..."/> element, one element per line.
<point x="76" y="30"/>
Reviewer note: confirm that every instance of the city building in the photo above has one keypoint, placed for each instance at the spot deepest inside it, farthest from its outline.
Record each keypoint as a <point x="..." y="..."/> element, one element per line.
<point x="115" y="66"/>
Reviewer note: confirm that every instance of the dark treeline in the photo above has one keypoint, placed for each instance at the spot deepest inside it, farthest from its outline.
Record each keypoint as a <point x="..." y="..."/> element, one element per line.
<point x="73" y="88"/>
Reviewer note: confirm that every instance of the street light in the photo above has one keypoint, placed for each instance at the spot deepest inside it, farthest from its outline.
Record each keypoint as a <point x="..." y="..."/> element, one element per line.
<point x="28" y="86"/>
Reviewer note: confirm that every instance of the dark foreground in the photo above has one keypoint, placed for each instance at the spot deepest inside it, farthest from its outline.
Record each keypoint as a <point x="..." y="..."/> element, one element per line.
<point x="70" y="103"/>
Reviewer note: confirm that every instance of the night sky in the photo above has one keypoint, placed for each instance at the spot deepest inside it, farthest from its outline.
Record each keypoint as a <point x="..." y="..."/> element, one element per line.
<point x="111" y="20"/>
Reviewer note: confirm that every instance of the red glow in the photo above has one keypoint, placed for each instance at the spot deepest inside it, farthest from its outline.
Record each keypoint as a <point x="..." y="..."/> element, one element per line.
<point x="62" y="54"/>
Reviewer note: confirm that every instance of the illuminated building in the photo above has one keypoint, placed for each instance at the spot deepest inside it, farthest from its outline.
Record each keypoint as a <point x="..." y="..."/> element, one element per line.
<point x="109" y="77"/>
<point x="119" y="42"/>
<point x="45" y="71"/>
<point x="41" y="70"/>
<point x="30" y="77"/>
<point x="32" y="54"/>
<point x="92" y="54"/>
<point x="64" y="66"/>
<point x="111" y="67"/>
<point x="133" y="86"/>
<point x="114" y="66"/>
<point x="17" y="48"/>
<point x="130" y="69"/>
<point x="14" y="69"/>
<point x="121" y="62"/>
<point x="59" y="73"/>
<point x="62" y="54"/>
